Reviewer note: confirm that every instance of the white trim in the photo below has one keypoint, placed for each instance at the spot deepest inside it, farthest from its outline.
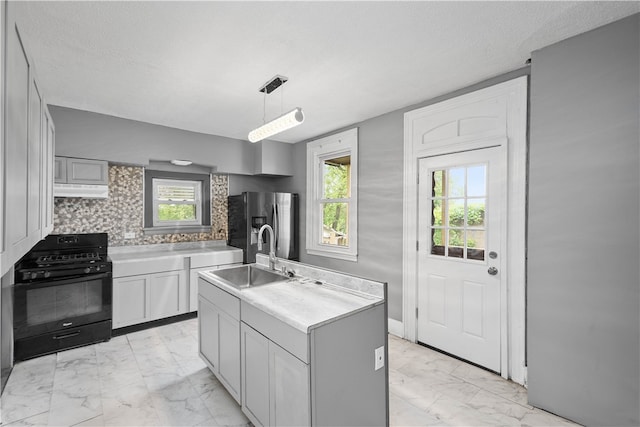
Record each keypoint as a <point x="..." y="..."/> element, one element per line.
<point x="513" y="95"/>
<point x="343" y="143"/>
<point x="395" y="327"/>
<point x="329" y="252"/>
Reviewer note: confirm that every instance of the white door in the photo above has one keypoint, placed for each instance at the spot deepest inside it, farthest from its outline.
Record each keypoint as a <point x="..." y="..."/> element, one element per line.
<point x="459" y="254"/>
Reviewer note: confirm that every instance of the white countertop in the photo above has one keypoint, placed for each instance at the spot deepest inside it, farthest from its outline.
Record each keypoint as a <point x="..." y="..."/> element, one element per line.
<point x="145" y="259"/>
<point x="145" y="252"/>
<point x="300" y="302"/>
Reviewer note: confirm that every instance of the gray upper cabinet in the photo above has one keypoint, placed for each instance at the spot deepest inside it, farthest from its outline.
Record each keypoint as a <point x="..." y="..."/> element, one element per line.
<point x="28" y="149"/>
<point x="48" y="147"/>
<point x="16" y="147"/>
<point x="60" y="169"/>
<point x="273" y="159"/>
<point x="69" y="170"/>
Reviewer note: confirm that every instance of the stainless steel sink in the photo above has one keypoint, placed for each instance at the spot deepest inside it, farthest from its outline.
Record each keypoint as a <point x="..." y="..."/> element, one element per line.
<point x="247" y="276"/>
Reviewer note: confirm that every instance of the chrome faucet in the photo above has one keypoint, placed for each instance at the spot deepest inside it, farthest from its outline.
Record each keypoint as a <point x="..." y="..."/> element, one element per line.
<point x="272" y="245"/>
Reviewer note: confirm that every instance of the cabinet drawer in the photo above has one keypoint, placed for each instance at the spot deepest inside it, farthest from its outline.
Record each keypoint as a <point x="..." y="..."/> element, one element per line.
<point x="206" y="259"/>
<point x="134" y="267"/>
<point x="221" y="299"/>
<point x="286" y="336"/>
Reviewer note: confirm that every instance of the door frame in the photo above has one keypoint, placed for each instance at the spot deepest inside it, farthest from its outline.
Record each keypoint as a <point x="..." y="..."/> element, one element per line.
<point x="508" y="101"/>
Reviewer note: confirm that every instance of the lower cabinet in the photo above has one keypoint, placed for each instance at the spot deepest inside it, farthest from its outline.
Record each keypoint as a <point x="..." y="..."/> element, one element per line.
<point x="146" y="297"/>
<point x="276" y="384"/>
<point x="219" y="335"/>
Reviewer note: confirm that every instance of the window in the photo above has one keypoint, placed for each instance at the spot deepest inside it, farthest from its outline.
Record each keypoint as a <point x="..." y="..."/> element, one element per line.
<point x="177" y="202"/>
<point x="458" y="203"/>
<point x="332" y="199"/>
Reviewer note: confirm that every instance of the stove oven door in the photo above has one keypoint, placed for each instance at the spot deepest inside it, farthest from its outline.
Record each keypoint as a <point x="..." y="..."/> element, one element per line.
<point x="62" y="304"/>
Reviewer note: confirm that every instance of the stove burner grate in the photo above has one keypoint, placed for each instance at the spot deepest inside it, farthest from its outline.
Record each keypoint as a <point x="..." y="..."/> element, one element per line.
<point x="68" y="259"/>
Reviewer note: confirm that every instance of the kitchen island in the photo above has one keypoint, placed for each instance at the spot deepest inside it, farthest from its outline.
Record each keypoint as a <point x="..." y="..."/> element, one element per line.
<point x="304" y="350"/>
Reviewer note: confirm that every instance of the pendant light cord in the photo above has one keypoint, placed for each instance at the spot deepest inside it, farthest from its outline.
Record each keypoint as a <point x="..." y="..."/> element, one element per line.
<point x="282" y="100"/>
<point x="264" y="107"/>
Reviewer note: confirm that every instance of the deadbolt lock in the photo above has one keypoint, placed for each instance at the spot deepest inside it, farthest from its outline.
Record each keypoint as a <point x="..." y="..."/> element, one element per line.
<point x="492" y="271"/>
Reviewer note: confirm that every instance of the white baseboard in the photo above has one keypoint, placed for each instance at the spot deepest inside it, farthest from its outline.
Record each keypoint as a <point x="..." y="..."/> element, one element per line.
<point x="396" y="328"/>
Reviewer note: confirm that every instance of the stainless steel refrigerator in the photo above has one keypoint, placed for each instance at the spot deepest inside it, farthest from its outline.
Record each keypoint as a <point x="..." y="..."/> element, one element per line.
<point x="251" y="210"/>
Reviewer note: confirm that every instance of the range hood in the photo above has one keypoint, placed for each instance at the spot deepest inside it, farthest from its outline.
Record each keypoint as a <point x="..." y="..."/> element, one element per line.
<point x="86" y="191"/>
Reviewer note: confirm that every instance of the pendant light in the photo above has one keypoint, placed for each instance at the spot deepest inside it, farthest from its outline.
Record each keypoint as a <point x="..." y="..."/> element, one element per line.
<point x="284" y="122"/>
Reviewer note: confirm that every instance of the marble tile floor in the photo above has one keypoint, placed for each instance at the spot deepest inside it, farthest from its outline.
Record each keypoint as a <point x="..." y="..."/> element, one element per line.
<point x="155" y="378"/>
<point x="428" y="388"/>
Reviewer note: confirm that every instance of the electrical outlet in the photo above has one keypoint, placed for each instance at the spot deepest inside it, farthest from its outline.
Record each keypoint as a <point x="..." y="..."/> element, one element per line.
<point x="129" y="235"/>
<point x="379" y="355"/>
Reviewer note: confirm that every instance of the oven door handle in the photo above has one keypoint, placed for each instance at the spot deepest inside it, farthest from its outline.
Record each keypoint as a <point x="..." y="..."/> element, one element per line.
<point x="57" y="281"/>
<point x="68" y="335"/>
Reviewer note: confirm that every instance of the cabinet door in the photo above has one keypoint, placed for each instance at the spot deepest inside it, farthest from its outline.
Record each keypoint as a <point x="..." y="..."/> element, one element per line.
<point x="208" y="332"/>
<point x="255" y="375"/>
<point x="130" y="301"/>
<point x="16" y="147"/>
<point x="34" y="210"/>
<point x="193" y="286"/>
<point x="289" y="397"/>
<point x="60" y="170"/>
<point x="229" y="353"/>
<point x="47" y="172"/>
<point x="168" y="294"/>
<point x="83" y="171"/>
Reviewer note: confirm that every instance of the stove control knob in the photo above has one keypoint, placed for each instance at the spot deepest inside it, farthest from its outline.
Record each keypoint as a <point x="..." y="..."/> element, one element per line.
<point x="87" y="270"/>
<point x="47" y="274"/>
<point x="34" y="276"/>
<point x="98" y="268"/>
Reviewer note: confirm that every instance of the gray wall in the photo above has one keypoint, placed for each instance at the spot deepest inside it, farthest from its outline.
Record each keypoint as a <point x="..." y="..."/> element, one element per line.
<point x="97" y="136"/>
<point x="240" y="183"/>
<point x="380" y="190"/>
<point x="583" y="279"/>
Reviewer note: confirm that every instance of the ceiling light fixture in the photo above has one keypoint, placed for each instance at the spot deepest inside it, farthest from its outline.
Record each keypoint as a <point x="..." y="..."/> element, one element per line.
<point x="284" y="122"/>
<point x="181" y="162"/>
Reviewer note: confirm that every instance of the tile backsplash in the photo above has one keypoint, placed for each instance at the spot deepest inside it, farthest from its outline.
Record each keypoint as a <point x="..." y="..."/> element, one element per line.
<point x="123" y="211"/>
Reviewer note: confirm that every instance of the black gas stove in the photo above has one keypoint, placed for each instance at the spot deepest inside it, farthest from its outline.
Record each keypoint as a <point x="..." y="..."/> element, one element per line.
<point x="64" y="255"/>
<point x="62" y="294"/>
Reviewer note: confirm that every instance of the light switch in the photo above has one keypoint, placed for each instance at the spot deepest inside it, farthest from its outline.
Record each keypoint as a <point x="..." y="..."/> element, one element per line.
<point x="379" y="355"/>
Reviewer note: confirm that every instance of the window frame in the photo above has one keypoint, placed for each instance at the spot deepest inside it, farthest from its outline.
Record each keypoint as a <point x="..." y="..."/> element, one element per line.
<point x="337" y="145"/>
<point x="197" y="202"/>
<point x="153" y="226"/>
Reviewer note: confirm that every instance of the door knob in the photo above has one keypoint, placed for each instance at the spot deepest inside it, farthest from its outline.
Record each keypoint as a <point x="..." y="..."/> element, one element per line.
<point x="492" y="271"/>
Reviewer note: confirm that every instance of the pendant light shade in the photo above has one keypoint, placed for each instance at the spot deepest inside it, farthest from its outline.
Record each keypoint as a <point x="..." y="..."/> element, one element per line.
<point x="286" y="121"/>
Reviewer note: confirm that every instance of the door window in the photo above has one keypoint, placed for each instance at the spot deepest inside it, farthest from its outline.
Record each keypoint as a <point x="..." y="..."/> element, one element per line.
<point x="458" y="205"/>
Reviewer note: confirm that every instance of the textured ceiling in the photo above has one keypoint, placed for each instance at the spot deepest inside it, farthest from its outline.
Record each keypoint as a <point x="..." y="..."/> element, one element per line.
<point x="198" y="65"/>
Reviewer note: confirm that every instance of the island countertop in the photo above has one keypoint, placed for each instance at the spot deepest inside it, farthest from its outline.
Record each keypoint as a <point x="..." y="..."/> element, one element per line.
<point x="304" y="302"/>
